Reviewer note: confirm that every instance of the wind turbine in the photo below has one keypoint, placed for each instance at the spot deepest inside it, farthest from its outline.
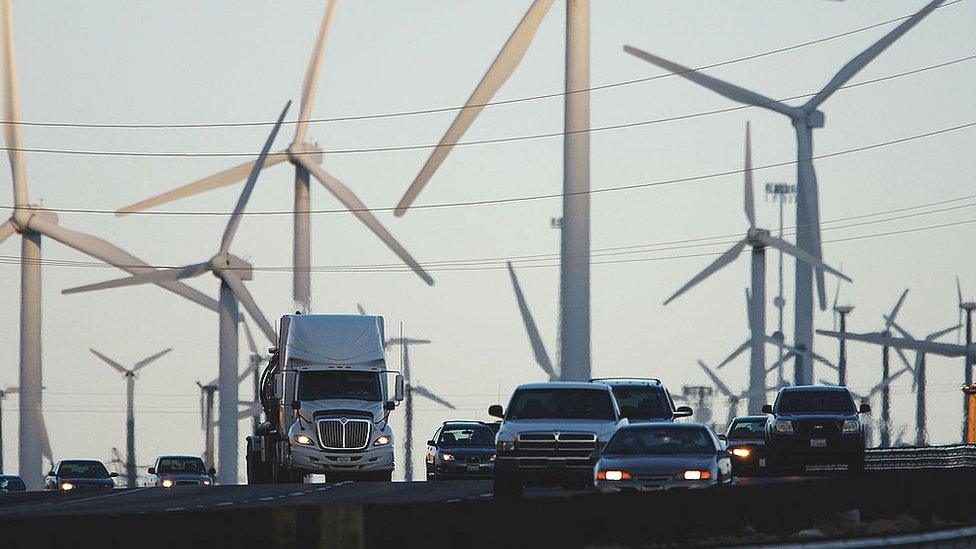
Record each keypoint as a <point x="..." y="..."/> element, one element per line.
<point x="538" y="347"/>
<point x="574" y="274"/>
<point x="919" y="380"/>
<point x="840" y="313"/>
<point x="305" y="157"/>
<point x="409" y="390"/>
<point x="32" y="222"/>
<point x="45" y="442"/>
<point x="130" y="421"/>
<point x="255" y="359"/>
<point x="758" y="239"/>
<point x="805" y="118"/>
<point x="207" y="420"/>
<point x="872" y="392"/>
<point x="967" y="308"/>
<point x="734" y="398"/>
<point x="232" y="271"/>
<point x="886" y="370"/>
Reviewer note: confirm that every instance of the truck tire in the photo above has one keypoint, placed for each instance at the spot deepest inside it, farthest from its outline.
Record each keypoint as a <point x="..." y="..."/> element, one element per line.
<point x="506" y="489"/>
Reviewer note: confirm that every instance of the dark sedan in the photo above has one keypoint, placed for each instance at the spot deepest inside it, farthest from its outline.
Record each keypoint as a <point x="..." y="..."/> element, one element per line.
<point x="746" y="440"/>
<point x="79" y="474"/>
<point x="461" y="450"/>
<point x="662" y="456"/>
<point x="172" y="471"/>
<point x="11" y="483"/>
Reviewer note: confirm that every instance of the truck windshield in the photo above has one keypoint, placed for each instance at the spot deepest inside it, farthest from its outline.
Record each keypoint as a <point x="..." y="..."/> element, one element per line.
<point x="82" y="469"/>
<point x="641" y="402"/>
<point x="339" y="384"/>
<point x="814" y="402"/>
<point x="561" y="404"/>
<point x="660" y="440"/>
<point x="177" y="465"/>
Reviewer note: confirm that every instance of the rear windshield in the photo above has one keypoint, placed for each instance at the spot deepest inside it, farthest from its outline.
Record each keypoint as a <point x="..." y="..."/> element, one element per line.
<point x="561" y="404"/>
<point x="660" y="441"/>
<point x="642" y="402"/>
<point x="176" y="465"/>
<point x="82" y="469"/>
<point x="12" y="484"/>
<point x="814" y="402"/>
<point x="467" y="435"/>
<point x="753" y="428"/>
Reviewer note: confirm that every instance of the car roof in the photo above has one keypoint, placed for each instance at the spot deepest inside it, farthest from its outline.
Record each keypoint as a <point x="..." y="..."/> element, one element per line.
<point x="10" y="477"/>
<point x="755" y="417"/>
<point x="464" y="422"/>
<point x="668" y="424"/>
<point x="615" y="381"/>
<point x="178" y="456"/>
<point x="80" y="461"/>
<point x="813" y="388"/>
<point x="560" y="385"/>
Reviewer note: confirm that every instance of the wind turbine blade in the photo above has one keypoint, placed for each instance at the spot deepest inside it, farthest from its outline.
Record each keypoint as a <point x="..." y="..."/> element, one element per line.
<point x="894" y="311"/>
<point x="235" y="219"/>
<point x="356" y="206"/>
<point x="725" y="89"/>
<point x="780" y="343"/>
<point x="800" y="254"/>
<point x="936" y="335"/>
<point x="823" y="361"/>
<point x="728" y="257"/>
<point x="311" y="83"/>
<point x="121" y="369"/>
<point x="249" y="337"/>
<point x="12" y="130"/>
<point x="11" y="390"/>
<point x="855" y="65"/>
<point x="718" y="382"/>
<point x="421" y="391"/>
<point x="497" y="74"/>
<point x="959" y="321"/>
<point x="538" y="347"/>
<point x="359" y="307"/>
<point x="152" y="277"/>
<point x="144" y="362"/>
<point x="247" y="372"/>
<point x="749" y="200"/>
<point x="216" y="181"/>
<point x="942" y="349"/>
<point x="6" y="229"/>
<point x="113" y="255"/>
<point x="833" y="306"/>
<point x="891" y="322"/>
<point x="247" y="300"/>
<point x="249" y="409"/>
<point x="780" y="361"/>
<point x="885" y="382"/>
<point x="738" y="351"/>
<point x="45" y="439"/>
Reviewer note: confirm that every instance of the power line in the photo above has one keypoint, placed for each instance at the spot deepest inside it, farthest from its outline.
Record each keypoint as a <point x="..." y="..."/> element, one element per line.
<point x="437" y="110"/>
<point x="489" y="141"/>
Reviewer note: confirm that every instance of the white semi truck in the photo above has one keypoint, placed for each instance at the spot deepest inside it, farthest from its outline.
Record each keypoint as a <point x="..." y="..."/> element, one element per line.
<point x="327" y="395"/>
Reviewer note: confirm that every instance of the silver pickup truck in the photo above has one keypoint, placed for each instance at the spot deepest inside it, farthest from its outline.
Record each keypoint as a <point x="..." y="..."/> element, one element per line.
<point x="549" y="435"/>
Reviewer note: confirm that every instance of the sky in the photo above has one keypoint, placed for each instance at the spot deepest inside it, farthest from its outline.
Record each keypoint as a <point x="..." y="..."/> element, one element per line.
<point x="212" y="62"/>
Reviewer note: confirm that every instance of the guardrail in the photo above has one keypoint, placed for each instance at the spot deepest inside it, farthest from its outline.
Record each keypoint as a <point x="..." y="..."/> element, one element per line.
<point x="921" y="457"/>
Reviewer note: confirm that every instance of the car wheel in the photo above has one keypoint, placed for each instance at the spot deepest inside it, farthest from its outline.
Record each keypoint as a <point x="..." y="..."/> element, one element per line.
<point x="504" y="489"/>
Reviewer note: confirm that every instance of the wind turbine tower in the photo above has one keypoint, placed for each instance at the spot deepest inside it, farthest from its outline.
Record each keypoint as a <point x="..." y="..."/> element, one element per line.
<point x="782" y="193"/>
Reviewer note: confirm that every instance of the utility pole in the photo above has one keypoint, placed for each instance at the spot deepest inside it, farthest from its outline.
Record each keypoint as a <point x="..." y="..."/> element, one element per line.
<point x="782" y="193"/>
<point x="842" y="311"/>
<point x="968" y="307"/>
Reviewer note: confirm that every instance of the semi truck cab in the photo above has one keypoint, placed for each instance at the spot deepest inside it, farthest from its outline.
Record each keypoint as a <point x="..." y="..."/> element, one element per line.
<point x="327" y="395"/>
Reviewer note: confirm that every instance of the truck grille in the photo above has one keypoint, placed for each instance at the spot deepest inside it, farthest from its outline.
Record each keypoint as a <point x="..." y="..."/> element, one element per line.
<point x="817" y="428"/>
<point x="343" y="433"/>
<point x="536" y="449"/>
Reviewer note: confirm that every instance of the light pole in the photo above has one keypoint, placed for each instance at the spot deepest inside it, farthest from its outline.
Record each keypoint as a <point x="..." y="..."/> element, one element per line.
<point x="842" y="311"/>
<point x="782" y="193"/>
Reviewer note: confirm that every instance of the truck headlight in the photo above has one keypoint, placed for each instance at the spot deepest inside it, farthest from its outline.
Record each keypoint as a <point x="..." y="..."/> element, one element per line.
<point x="167" y="483"/>
<point x="304" y="440"/>
<point x="382" y="440"/>
<point x="505" y="445"/>
<point x="741" y="452"/>
<point x="67" y="486"/>
<point x="783" y="427"/>
<point x="850" y="427"/>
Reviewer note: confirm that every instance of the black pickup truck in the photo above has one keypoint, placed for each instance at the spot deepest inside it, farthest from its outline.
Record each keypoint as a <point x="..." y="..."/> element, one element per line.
<point x="815" y="425"/>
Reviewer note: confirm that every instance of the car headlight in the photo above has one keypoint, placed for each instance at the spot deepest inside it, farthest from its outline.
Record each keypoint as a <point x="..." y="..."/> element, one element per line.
<point x="304" y="440"/>
<point x="613" y="474"/>
<point x="447" y="457"/>
<point x="68" y="486"/>
<point x="695" y="474"/>
<point x="207" y="482"/>
<point x="783" y="427"/>
<point x="505" y="445"/>
<point x="382" y="440"/>
<point x="167" y="483"/>
<point x="493" y="457"/>
<point x="741" y="452"/>
<point x="851" y="426"/>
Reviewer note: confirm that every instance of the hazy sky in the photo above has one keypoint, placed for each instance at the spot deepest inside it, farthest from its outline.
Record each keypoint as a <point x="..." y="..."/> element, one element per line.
<point x="133" y="62"/>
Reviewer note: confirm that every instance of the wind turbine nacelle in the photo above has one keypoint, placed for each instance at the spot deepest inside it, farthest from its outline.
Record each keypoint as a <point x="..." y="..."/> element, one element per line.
<point x="816" y="119"/>
<point x="238" y="266"/>
<point x="307" y="150"/>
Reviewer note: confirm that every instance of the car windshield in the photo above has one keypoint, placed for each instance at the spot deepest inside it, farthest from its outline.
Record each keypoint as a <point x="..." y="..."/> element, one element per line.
<point x="660" y="441"/>
<point x="815" y="402"/>
<point x="181" y="465"/>
<point x="339" y="384"/>
<point x="641" y="402"/>
<point x="750" y="428"/>
<point x="12" y="484"/>
<point x="561" y="404"/>
<point x="466" y="435"/>
<point x="82" y="469"/>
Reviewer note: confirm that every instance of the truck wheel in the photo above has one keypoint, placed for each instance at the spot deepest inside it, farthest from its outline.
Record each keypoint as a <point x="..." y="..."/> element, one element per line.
<point x="505" y="489"/>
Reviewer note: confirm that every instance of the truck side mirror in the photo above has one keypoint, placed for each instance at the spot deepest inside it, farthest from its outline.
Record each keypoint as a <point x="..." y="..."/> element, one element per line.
<point x="767" y="408"/>
<point x="683" y="411"/>
<point x="151" y="471"/>
<point x="113" y="474"/>
<point x="389" y="406"/>
<point x="865" y="408"/>
<point x="211" y="471"/>
<point x="495" y="410"/>
<point x="431" y="442"/>
<point x="296" y="405"/>
<point x="398" y="392"/>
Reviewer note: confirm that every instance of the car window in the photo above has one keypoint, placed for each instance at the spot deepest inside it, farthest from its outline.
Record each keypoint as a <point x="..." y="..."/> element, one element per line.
<point x="466" y="435"/>
<point x="813" y="402"/>
<point x="82" y="469"/>
<point x="660" y="441"/>
<point x="177" y="465"/>
<point x="747" y="429"/>
<point x="641" y="402"/>
<point x="12" y="484"/>
<point x="561" y="404"/>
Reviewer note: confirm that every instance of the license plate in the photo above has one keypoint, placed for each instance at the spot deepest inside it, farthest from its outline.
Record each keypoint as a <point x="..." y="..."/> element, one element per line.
<point x="818" y="443"/>
<point x="762" y="462"/>
<point x="344" y="460"/>
<point x="473" y="468"/>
